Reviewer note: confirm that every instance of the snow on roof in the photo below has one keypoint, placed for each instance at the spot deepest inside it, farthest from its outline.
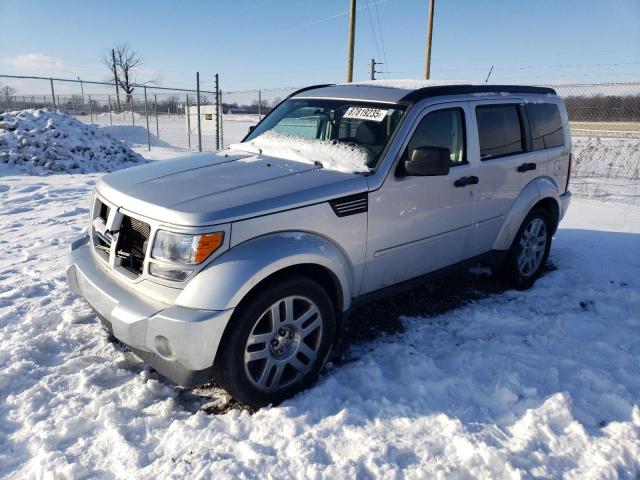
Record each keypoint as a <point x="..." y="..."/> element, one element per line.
<point x="331" y="154"/>
<point x="393" y="91"/>
<point x="408" y="83"/>
<point x="384" y="91"/>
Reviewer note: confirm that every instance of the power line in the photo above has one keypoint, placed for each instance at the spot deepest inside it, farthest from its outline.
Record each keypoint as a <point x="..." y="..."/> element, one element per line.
<point x="373" y="31"/>
<point x="384" y="52"/>
<point x="315" y="22"/>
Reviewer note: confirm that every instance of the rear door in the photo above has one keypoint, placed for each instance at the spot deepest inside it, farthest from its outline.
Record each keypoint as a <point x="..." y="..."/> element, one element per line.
<point x="502" y="147"/>
<point x="547" y="123"/>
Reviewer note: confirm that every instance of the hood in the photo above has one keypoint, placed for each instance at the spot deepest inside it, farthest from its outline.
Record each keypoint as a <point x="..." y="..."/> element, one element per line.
<point x="211" y="188"/>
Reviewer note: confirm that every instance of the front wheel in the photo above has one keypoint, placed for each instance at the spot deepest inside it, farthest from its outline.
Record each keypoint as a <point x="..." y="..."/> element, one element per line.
<point x="277" y="342"/>
<point x="529" y="252"/>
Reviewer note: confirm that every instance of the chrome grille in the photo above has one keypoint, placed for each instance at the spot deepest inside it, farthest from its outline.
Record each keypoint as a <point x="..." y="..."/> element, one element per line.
<point x="119" y="240"/>
<point x="133" y="238"/>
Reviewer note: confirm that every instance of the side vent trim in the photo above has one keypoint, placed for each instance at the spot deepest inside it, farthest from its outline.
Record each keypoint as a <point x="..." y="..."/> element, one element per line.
<point x="350" y="205"/>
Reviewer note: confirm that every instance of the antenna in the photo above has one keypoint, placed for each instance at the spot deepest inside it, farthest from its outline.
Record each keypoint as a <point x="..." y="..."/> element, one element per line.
<point x="487" y="79"/>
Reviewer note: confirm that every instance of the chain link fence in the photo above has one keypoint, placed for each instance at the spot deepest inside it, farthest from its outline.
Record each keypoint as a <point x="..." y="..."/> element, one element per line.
<point x="152" y="116"/>
<point x="605" y="130"/>
<point x="604" y="118"/>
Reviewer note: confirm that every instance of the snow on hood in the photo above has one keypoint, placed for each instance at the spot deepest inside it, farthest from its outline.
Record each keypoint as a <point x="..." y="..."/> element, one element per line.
<point x="39" y="140"/>
<point x="330" y="153"/>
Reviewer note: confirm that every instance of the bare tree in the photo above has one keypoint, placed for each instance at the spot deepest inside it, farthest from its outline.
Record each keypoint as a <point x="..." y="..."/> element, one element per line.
<point x="6" y="94"/>
<point x="123" y="61"/>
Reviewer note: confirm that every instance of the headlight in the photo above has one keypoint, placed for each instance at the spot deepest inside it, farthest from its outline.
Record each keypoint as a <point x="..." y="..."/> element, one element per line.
<point x="184" y="248"/>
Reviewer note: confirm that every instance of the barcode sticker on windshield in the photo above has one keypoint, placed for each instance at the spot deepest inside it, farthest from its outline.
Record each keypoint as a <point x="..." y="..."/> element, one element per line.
<point x="363" y="113"/>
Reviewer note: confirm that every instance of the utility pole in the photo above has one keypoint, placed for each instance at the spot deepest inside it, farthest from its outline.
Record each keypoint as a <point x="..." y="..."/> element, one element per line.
<point x="115" y="77"/>
<point x="372" y="68"/>
<point x="352" y="39"/>
<point x="427" y="62"/>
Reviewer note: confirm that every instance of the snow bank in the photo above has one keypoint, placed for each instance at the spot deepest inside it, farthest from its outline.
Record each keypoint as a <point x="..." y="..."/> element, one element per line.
<point x="39" y="140"/>
<point x="331" y="154"/>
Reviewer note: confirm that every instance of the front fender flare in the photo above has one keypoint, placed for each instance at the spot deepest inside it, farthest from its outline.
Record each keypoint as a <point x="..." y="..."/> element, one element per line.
<point x="227" y="280"/>
<point x="536" y="190"/>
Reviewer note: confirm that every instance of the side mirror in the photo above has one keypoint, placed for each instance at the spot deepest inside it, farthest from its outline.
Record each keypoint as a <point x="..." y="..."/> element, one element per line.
<point x="251" y="127"/>
<point x="428" y="161"/>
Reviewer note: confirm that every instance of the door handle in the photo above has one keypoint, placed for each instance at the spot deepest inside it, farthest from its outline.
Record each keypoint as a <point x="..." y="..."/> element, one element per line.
<point x="525" y="167"/>
<point x="464" y="181"/>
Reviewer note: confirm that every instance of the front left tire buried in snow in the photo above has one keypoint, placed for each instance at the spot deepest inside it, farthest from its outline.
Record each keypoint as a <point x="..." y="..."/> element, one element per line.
<point x="276" y="343"/>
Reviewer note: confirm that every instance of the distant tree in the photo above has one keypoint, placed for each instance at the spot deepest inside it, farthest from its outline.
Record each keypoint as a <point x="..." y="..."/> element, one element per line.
<point x="6" y="95"/>
<point x="127" y="62"/>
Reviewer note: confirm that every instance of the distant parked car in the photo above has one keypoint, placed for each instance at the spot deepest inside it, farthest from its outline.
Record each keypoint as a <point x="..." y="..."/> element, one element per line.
<point x="241" y="265"/>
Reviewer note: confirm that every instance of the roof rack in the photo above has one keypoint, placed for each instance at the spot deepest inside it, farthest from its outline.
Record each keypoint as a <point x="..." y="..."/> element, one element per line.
<point x="437" y="91"/>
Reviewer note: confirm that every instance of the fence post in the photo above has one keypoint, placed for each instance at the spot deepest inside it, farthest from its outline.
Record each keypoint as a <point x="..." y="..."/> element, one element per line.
<point x="73" y="104"/>
<point x="24" y="102"/>
<point x="90" y="110"/>
<point x="259" y="105"/>
<point x="133" y="120"/>
<point x="110" y="118"/>
<point x="53" y="94"/>
<point x="198" y="111"/>
<point x="188" y="122"/>
<point x="217" y="105"/>
<point x="146" y="114"/>
<point x="155" y="110"/>
<point x="221" y="122"/>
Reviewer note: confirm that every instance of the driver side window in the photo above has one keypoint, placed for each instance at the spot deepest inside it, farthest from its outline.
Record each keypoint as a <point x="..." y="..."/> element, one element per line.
<point x="444" y="129"/>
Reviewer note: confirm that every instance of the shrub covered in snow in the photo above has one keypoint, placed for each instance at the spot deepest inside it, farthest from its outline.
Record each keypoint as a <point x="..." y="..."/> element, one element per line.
<point x="39" y="140"/>
<point x="330" y="153"/>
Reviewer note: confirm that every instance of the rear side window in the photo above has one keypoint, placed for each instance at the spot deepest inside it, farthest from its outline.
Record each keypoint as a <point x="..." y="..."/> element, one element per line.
<point x="499" y="131"/>
<point x="546" y="125"/>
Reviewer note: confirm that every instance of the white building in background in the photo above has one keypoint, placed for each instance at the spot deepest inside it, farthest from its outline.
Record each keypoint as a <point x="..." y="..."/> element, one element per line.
<point x="207" y="120"/>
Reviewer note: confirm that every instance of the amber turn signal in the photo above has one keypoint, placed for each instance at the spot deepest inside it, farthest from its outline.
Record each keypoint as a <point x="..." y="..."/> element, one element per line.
<point x="208" y="243"/>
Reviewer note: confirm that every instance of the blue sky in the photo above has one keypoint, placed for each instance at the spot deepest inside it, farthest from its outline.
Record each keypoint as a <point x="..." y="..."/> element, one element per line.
<point x="271" y="43"/>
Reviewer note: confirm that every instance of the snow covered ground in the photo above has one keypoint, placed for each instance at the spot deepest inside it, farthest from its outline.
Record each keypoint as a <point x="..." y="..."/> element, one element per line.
<point x="543" y="383"/>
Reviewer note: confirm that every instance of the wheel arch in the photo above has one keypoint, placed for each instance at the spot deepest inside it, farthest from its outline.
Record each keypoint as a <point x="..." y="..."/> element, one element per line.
<point x="541" y="192"/>
<point x="246" y="267"/>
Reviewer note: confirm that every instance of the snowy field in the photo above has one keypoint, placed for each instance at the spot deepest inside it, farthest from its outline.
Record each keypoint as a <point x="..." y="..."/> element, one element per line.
<point x="536" y="384"/>
<point x="172" y="129"/>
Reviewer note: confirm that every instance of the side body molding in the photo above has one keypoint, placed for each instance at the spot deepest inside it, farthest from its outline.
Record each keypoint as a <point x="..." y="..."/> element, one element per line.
<point x="225" y="282"/>
<point x="536" y="190"/>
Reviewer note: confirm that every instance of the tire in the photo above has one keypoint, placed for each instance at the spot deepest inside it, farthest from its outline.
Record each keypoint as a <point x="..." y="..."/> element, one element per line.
<point x="262" y="361"/>
<point x="529" y="251"/>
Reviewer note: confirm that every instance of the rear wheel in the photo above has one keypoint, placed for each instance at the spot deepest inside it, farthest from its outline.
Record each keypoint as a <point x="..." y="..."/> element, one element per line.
<point x="277" y="342"/>
<point x="529" y="252"/>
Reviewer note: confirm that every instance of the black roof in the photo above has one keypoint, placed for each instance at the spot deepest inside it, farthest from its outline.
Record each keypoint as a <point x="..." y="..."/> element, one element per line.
<point x="437" y="91"/>
<point x="407" y="95"/>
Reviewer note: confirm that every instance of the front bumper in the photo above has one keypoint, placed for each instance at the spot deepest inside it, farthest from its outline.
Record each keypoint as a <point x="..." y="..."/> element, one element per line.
<point x="179" y="342"/>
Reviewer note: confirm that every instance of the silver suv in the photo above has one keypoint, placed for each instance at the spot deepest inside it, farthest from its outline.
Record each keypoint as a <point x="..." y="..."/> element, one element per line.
<point x="239" y="266"/>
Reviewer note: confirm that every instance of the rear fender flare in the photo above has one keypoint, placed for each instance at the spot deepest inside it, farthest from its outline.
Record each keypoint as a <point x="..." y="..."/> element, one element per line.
<point x="536" y="190"/>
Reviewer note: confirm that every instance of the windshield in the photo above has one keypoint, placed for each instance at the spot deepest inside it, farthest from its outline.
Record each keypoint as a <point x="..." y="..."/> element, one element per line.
<point x="364" y="128"/>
